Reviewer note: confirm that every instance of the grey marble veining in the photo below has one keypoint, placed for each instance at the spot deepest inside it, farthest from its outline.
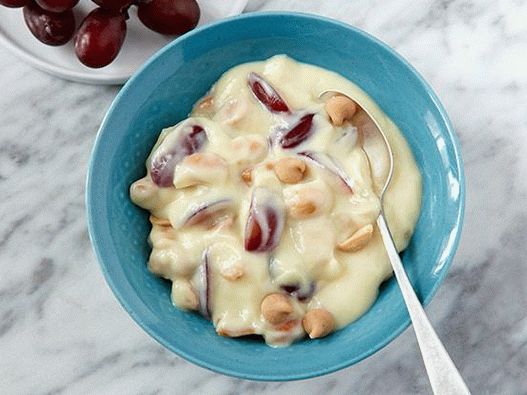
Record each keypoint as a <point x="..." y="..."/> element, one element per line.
<point x="62" y="331"/>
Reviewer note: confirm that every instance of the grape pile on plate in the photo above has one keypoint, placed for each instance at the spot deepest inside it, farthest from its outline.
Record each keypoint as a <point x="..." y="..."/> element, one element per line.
<point x="101" y="34"/>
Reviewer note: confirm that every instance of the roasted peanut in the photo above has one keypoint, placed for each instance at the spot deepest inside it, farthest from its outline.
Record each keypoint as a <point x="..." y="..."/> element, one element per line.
<point x="318" y="323"/>
<point x="232" y="272"/>
<point x="357" y="240"/>
<point x="204" y="159"/>
<point x="200" y="168"/>
<point x="276" y="308"/>
<point x="340" y="109"/>
<point x="255" y="147"/>
<point x="290" y="170"/>
<point x="287" y="325"/>
<point x="249" y="149"/>
<point x="302" y="209"/>
<point x="226" y="257"/>
<point x="246" y="175"/>
<point x="305" y="202"/>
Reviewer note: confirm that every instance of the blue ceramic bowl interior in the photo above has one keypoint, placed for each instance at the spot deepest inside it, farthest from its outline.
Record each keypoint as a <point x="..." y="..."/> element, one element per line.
<point x="162" y="93"/>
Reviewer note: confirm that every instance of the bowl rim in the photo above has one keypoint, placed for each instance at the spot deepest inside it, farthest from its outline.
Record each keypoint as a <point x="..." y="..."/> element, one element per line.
<point x="456" y="154"/>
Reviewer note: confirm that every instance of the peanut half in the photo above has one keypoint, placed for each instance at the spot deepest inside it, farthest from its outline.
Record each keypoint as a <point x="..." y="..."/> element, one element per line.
<point x="357" y="240"/>
<point x="232" y="272"/>
<point x="305" y="202"/>
<point x="276" y="308"/>
<point x="340" y="109"/>
<point x="290" y="170"/>
<point x="318" y="323"/>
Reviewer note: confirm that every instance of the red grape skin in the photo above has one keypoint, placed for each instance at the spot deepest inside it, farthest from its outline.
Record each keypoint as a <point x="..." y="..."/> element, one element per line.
<point x="191" y="139"/>
<point x="100" y="37"/>
<point x="169" y="16"/>
<point x="204" y="214"/>
<point x="266" y="94"/>
<point x="205" y="294"/>
<point x="115" y="5"/>
<point x="298" y="133"/>
<point x="49" y="27"/>
<point x="265" y="222"/>
<point x="57" y="5"/>
<point x="14" y="3"/>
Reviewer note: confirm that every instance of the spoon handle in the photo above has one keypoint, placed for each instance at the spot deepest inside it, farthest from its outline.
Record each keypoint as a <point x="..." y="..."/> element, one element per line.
<point x="442" y="373"/>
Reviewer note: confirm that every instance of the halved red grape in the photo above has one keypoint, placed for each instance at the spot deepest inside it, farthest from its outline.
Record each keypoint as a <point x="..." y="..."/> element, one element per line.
<point x="169" y="16"/>
<point x="100" y="37"/>
<point x="57" y="5"/>
<point x="300" y="132"/>
<point x="204" y="212"/>
<point x="115" y="5"/>
<point x="172" y="150"/>
<point x="328" y="163"/>
<point x="266" y="94"/>
<point x="265" y="222"/>
<point x="49" y="27"/>
<point x="14" y="3"/>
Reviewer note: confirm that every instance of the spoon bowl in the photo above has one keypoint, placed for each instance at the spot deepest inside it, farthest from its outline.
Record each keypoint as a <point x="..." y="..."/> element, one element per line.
<point x="374" y="143"/>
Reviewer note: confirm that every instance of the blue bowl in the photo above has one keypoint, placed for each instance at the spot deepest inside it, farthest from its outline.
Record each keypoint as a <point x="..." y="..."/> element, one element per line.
<point x="162" y="93"/>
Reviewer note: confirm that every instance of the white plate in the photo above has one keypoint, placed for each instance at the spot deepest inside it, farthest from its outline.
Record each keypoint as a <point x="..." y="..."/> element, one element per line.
<point x="140" y="43"/>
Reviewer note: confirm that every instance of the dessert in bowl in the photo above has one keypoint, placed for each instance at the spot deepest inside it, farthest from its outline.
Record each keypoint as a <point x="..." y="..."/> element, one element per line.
<point x="263" y="203"/>
<point x="163" y="93"/>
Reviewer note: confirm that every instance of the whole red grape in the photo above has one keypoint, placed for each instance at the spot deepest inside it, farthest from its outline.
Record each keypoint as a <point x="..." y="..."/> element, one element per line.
<point x="169" y="16"/>
<point x="57" y="5"/>
<point x="49" y="27"/>
<point x="14" y="3"/>
<point x="100" y="37"/>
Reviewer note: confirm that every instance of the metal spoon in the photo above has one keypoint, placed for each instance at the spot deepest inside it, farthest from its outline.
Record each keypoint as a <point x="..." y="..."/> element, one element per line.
<point x="442" y="373"/>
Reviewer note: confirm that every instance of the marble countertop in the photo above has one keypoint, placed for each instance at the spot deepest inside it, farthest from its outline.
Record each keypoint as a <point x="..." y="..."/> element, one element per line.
<point x="61" y="329"/>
